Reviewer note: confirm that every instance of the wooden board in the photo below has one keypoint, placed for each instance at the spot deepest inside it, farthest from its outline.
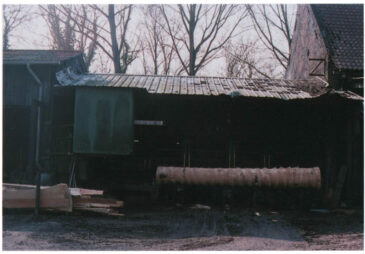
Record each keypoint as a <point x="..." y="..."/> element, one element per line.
<point x="96" y="202"/>
<point x="54" y="197"/>
<point x="20" y="186"/>
<point x="81" y="192"/>
<point x="96" y="205"/>
<point x="73" y="191"/>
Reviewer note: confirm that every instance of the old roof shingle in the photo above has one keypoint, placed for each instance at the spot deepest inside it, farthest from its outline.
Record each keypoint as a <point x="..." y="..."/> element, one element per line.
<point x="342" y="30"/>
<point x="37" y="56"/>
<point x="203" y="86"/>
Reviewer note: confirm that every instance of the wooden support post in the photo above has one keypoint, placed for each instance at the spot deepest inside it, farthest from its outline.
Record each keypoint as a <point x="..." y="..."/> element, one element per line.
<point x="339" y="186"/>
<point x="349" y="151"/>
<point x="31" y="143"/>
<point x="37" y="152"/>
<point x="189" y="152"/>
<point x="328" y="171"/>
<point x="187" y="148"/>
<point x="38" y="193"/>
<point x="234" y="155"/>
<point x="231" y="154"/>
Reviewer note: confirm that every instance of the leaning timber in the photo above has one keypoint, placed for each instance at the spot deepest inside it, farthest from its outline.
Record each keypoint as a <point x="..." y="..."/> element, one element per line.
<point x="245" y="177"/>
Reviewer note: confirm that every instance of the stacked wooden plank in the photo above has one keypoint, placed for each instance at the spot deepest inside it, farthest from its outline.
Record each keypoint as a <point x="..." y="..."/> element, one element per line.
<point x="59" y="197"/>
<point x="92" y="201"/>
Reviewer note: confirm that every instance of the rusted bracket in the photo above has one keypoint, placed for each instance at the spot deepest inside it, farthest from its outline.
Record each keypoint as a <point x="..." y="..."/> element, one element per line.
<point x="320" y="61"/>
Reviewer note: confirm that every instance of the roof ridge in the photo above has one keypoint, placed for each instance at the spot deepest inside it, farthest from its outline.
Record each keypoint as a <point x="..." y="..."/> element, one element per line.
<point x="177" y="76"/>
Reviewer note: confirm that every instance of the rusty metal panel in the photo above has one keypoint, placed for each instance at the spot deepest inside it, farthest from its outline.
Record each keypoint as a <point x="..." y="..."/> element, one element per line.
<point x="162" y="85"/>
<point x="183" y="85"/>
<point x="190" y="84"/>
<point x="154" y="84"/>
<point x="169" y="85"/>
<point x="176" y="85"/>
<point x="197" y="86"/>
<point x="204" y="84"/>
<point x="211" y="86"/>
<point x="246" y="177"/>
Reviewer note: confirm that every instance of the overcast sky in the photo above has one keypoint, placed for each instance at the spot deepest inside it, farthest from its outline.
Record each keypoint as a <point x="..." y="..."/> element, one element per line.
<point x="35" y="35"/>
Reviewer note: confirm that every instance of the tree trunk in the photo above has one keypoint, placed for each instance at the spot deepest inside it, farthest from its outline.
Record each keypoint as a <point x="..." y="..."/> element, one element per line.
<point x="113" y="34"/>
<point x="192" y="52"/>
<point x="5" y="39"/>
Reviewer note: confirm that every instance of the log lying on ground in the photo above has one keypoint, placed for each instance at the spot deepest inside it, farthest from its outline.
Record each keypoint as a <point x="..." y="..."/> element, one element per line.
<point x="55" y="197"/>
<point x="246" y="177"/>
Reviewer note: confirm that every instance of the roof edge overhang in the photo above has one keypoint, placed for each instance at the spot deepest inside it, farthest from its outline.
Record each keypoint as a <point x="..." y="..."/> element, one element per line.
<point x="199" y="86"/>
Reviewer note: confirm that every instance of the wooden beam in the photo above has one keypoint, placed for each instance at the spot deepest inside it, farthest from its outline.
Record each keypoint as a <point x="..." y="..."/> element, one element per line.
<point x="81" y="192"/>
<point x="320" y="61"/>
<point x="339" y="186"/>
<point x="54" y="197"/>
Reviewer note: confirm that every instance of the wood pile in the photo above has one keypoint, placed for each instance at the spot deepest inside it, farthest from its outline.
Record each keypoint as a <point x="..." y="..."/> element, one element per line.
<point x="92" y="201"/>
<point x="59" y="197"/>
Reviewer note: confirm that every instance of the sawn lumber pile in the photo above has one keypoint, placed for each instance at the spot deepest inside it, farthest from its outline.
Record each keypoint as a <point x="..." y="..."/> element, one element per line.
<point x="59" y="197"/>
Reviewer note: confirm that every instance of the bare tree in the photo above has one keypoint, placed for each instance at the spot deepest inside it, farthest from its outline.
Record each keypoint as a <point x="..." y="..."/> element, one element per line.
<point x="245" y="61"/>
<point x="104" y="63"/>
<point x="62" y="33"/>
<point x="112" y="28"/>
<point x="13" y="16"/>
<point x="274" y="27"/>
<point x="68" y="30"/>
<point x="155" y="46"/>
<point x="121" y="54"/>
<point x="198" y="32"/>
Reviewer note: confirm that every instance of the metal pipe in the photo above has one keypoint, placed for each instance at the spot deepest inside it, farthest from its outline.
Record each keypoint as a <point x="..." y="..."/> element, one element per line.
<point x="246" y="177"/>
<point x="37" y="164"/>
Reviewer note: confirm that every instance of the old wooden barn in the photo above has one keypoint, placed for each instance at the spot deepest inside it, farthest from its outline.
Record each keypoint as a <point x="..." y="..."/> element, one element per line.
<point x="112" y="131"/>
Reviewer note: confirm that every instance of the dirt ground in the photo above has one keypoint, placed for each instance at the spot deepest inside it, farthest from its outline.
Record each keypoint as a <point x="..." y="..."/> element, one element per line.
<point x="185" y="229"/>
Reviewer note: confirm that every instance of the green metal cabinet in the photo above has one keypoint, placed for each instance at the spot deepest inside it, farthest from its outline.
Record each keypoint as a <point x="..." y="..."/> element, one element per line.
<point x="103" y="121"/>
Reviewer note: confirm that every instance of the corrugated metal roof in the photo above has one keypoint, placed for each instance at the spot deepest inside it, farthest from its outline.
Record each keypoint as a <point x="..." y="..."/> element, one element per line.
<point x="206" y="86"/>
<point x="37" y="56"/>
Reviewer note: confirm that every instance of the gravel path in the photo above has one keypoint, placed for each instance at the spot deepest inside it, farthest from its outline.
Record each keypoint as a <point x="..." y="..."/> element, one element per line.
<point x="162" y="229"/>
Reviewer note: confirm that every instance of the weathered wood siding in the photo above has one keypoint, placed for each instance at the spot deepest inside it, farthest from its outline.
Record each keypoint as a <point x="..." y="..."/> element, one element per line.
<point x="20" y="117"/>
<point x="18" y="86"/>
<point x="307" y="43"/>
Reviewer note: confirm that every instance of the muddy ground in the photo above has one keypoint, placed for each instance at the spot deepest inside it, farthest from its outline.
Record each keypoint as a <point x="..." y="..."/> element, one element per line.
<point x="185" y="229"/>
